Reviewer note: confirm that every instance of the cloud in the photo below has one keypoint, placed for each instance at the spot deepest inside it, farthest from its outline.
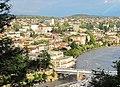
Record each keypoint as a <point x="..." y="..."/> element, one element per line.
<point x="106" y="1"/>
<point x="112" y="1"/>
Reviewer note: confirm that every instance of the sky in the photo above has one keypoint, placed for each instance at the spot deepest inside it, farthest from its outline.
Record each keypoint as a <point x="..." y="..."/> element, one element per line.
<point x="62" y="8"/>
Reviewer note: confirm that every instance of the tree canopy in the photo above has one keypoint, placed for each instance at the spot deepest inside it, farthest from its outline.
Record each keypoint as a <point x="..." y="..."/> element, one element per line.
<point x="5" y="17"/>
<point x="105" y="79"/>
<point x="13" y="61"/>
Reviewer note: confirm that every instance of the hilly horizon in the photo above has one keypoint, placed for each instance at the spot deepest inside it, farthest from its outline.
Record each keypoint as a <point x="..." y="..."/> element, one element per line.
<point x="74" y="15"/>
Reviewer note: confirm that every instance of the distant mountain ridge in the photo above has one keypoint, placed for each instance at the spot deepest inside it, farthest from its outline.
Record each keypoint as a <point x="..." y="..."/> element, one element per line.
<point x="83" y="15"/>
<point x="75" y="15"/>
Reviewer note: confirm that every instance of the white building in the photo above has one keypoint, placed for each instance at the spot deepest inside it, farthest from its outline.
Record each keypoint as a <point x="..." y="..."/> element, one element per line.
<point x="45" y="29"/>
<point x="76" y="27"/>
<point x="34" y="27"/>
<point x="51" y="21"/>
<point x="61" y="61"/>
<point x="13" y="34"/>
<point x="22" y="30"/>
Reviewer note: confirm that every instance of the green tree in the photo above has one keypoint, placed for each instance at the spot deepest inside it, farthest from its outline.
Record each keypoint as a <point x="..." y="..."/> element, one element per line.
<point x="5" y="17"/>
<point x="43" y="62"/>
<point x="75" y="53"/>
<point x="16" y="27"/>
<point x="104" y="79"/>
<point x="40" y="42"/>
<point x="44" y="76"/>
<point x="13" y="64"/>
<point x="106" y="28"/>
<point x="111" y="24"/>
<point x="86" y="25"/>
<point x="46" y="61"/>
<point x="89" y="26"/>
<point x="101" y="25"/>
<point x="118" y="33"/>
<point x="38" y="77"/>
<point x="117" y="67"/>
<point x="73" y="45"/>
<point x="66" y="24"/>
<point x="92" y="39"/>
<point x="118" y="24"/>
<point x="83" y="25"/>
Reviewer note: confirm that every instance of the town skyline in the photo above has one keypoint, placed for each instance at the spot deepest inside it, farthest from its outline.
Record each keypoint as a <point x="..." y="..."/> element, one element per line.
<point x="62" y="8"/>
<point x="37" y="50"/>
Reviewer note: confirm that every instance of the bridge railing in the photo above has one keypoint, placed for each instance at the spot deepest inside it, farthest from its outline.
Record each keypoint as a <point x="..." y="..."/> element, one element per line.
<point x="81" y="71"/>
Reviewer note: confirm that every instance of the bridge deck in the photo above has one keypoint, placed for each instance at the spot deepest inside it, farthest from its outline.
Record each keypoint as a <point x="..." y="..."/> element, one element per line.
<point x="74" y="71"/>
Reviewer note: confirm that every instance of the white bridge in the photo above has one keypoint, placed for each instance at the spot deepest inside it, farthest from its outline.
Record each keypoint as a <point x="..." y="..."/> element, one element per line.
<point x="84" y="72"/>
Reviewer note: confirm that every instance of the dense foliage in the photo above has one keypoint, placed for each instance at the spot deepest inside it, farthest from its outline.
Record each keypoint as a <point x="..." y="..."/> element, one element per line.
<point x="5" y="17"/>
<point x="105" y="79"/>
<point x="42" y="62"/>
<point x="13" y="63"/>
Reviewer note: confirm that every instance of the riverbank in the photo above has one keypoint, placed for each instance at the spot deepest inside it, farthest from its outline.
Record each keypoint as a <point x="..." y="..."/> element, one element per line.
<point x="68" y="79"/>
<point x="94" y="48"/>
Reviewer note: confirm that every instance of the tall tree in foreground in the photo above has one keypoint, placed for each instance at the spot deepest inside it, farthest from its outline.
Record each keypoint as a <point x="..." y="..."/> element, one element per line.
<point x="12" y="62"/>
<point x="43" y="62"/>
<point x="5" y="17"/>
<point x="104" y="79"/>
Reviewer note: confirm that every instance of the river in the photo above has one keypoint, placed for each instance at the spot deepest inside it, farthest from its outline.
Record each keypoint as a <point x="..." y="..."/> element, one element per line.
<point x="97" y="58"/>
